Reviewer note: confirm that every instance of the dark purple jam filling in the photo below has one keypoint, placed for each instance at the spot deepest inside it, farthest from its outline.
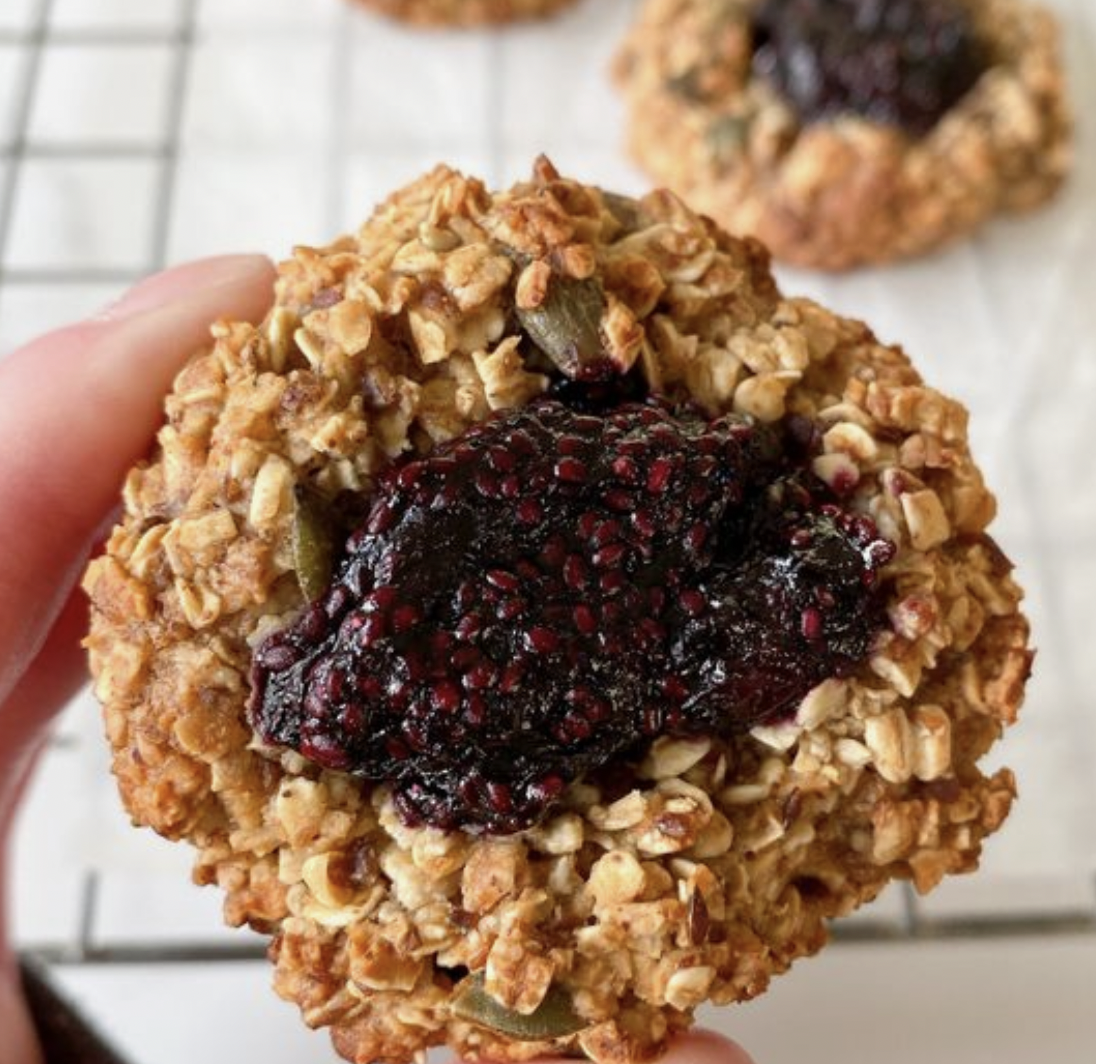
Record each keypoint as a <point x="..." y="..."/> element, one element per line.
<point x="555" y="588"/>
<point x="901" y="62"/>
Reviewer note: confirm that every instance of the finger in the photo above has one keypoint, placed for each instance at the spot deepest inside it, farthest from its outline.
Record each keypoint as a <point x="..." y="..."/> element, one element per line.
<point x="13" y="788"/>
<point x="695" y="1047"/>
<point x="77" y="408"/>
<point x="53" y="677"/>
<point x="156" y="291"/>
<point x="706" y="1047"/>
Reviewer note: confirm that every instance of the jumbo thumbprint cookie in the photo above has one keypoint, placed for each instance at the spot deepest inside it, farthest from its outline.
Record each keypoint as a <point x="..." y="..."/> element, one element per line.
<point x="540" y="625"/>
<point x="848" y="132"/>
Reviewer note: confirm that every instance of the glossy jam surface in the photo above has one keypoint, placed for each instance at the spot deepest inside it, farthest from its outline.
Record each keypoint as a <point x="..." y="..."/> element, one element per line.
<point x="556" y="587"/>
<point x="900" y="62"/>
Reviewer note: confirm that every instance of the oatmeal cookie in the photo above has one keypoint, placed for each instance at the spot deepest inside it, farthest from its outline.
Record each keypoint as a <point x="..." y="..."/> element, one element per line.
<point x="465" y="12"/>
<point x="757" y="599"/>
<point x="848" y="132"/>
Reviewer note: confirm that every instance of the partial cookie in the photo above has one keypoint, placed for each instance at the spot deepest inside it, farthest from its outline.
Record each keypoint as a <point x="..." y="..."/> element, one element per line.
<point x="540" y="625"/>
<point x="848" y="132"/>
<point x="466" y="12"/>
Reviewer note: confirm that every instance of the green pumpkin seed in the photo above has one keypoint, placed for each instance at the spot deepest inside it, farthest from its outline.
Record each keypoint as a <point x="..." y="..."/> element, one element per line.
<point x="727" y="135"/>
<point x="313" y="542"/>
<point x="686" y="84"/>
<point x="567" y="325"/>
<point x="554" y="1017"/>
<point x="623" y="208"/>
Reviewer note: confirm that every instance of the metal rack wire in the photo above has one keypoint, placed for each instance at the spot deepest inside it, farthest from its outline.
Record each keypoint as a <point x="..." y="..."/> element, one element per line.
<point x="20" y="146"/>
<point x="26" y="41"/>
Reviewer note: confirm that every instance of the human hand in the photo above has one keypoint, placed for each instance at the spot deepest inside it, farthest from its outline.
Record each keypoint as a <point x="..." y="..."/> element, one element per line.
<point x="77" y="408"/>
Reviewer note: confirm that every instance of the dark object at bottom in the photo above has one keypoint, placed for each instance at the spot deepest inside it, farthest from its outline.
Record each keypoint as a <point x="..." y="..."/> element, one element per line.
<point x="65" y="1036"/>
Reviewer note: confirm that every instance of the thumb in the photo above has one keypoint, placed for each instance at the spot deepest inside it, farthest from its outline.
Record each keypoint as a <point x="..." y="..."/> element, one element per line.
<point x="77" y="408"/>
<point x="695" y="1047"/>
<point x="706" y="1047"/>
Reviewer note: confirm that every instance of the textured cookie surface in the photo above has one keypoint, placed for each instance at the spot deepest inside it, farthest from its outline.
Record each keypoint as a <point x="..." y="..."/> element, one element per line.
<point x="699" y="866"/>
<point x="832" y="188"/>
<point x="465" y="12"/>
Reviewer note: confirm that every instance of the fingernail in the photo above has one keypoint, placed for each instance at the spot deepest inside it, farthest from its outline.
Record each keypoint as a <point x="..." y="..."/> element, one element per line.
<point x="180" y="282"/>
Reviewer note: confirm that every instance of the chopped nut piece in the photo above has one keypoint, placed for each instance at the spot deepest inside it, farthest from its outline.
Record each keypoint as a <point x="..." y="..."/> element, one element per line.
<point x="616" y="877"/>
<point x="670" y="757"/>
<point x="890" y="741"/>
<point x="688" y="987"/>
<point x="926" y="519"/>
<point x="932" y="738"/>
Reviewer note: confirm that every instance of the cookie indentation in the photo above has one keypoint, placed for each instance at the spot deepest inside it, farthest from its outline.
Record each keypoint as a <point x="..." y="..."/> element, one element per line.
<point x="902" y="62"/>
<point x="544" y="592"/>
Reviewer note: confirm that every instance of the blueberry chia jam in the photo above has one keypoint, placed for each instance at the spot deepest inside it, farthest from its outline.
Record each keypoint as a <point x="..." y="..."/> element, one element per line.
<point x="555" y="587"/>
<point x="901" y="62"/>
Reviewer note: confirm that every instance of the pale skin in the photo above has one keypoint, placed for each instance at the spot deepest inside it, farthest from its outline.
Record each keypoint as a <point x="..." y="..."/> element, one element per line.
<point x="77" y="408"/>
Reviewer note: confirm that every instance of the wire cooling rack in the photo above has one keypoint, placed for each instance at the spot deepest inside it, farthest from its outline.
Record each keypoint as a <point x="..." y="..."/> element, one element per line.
<point x="119" y="154"/>
<point x="43" y="33"/>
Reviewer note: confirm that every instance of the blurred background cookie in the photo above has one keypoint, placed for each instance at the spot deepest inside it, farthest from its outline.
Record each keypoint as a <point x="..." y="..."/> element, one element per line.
<point x="465" y="12"/>
<point x="846" y="132"/>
